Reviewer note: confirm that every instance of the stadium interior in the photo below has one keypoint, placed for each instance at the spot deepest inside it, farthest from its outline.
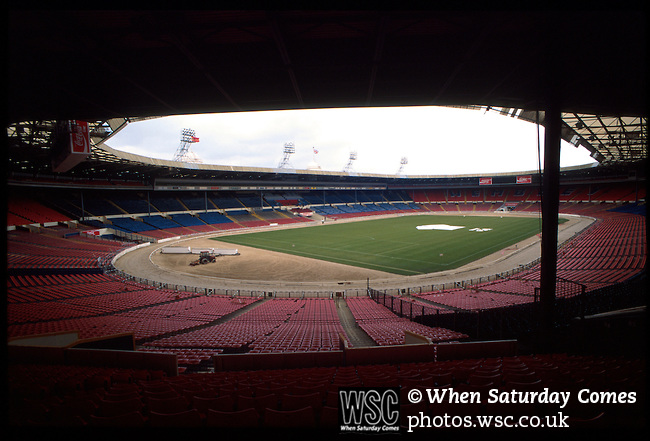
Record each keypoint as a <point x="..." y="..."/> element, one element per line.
<point x="90" y="345"/>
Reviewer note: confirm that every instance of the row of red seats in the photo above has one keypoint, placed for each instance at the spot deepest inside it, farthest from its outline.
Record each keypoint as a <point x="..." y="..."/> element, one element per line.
<point x="370" y="213"/>
<point x="62" y="291"/>
<point x="74" y="249"/>
<point x="32" y="262"/>
<point x="264" y="326"/>
<point x="54" y="279"/>
<point x="150" y="313"/>
<point x="187" y="357"/>
<point x="171" y="304"/>
<point x="386" y="328"/>
<point x="19" y="238"/>
<point x="34" y="250"/>
<point x="26" y="211"/>
<point x="300" y="337"/>
<point x="162" y="233"/>
<point x="57" y="395"/>
<point x="609" y="252"/>
<point x="611" y="192"/>
<point x="519" y="286"/>
<point x="475" y="299"/>
<point x="314" y="326"/>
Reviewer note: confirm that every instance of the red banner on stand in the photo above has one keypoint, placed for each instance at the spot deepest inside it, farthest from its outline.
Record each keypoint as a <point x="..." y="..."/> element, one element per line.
<point x="524" y="179"/>
<point x="79" y="139"/>
<point x="484" y="181"/>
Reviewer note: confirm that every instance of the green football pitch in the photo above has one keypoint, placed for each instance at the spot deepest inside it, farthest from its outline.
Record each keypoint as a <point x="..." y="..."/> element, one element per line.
<point x="397" y="245"/>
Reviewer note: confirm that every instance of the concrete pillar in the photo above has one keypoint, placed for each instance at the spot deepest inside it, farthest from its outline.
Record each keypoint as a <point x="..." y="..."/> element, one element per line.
<point x="550" y="210"/>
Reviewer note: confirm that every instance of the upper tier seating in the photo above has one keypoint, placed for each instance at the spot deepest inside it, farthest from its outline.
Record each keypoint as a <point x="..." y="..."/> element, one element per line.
<point x="22" y="211"/>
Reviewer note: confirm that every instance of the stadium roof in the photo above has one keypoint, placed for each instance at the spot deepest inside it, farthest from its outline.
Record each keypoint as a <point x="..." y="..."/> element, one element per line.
<point x="111" y="67"/>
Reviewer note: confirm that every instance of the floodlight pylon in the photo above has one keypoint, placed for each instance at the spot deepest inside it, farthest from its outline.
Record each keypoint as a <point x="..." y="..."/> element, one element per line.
<point x="289" y="149"/>
<point x="184" y="153"/>
<point x="351" y="159"/>
<point x="402" y="163"/>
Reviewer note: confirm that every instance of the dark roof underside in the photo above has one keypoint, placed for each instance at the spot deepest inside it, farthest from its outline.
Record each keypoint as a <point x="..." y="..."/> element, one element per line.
<point x="107" y="66"/>
<point x="96" y="65"/>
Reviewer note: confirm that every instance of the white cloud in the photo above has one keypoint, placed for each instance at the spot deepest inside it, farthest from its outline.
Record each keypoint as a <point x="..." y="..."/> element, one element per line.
<point x="436" y="140"/>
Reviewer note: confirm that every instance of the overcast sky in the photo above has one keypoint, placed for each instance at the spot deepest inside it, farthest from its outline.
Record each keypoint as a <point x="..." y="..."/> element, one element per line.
<point x="435" y="140"/>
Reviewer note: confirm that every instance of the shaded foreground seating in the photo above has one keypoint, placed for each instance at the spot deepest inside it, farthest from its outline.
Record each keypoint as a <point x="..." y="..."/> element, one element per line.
<point x="223" y="403"/>
<point x="186" y="418"/>
<point x="113" y="408"/>
<point x="304" y="417"/>
<point x="246" y="418"/>
<point x="295" y="402"/>
<point x="168" y="405"/>
<point x="58" y="396"/>
<point x="131" y="419"/>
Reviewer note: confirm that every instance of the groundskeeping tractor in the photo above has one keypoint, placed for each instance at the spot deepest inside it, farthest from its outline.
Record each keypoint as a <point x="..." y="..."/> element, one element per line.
<point x="204" y="258"/>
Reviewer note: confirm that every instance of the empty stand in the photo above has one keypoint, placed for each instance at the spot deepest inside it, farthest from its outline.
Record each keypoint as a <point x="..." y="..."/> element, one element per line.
<point x="385" y="328"/>
<point x="198" y="327"/>
<point x="33" y="250"/>
<point x="38" y="396"/>
<point x="22" y="211"/>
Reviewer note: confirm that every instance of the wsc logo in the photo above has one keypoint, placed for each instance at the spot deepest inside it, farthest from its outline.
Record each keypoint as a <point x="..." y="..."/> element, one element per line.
<point x="369" y="409"/>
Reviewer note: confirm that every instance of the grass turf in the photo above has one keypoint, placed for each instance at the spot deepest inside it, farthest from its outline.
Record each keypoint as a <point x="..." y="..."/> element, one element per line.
<point x="395" y="245"/>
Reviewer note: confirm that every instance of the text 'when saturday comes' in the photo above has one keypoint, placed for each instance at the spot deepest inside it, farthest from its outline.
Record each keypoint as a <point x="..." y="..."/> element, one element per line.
<point x="545" y="396"/>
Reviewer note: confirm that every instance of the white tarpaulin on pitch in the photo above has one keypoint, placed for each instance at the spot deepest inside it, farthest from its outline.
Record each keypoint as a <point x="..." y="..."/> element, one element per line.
<point x="438" y="227"/>
<point x="188" y="250"/>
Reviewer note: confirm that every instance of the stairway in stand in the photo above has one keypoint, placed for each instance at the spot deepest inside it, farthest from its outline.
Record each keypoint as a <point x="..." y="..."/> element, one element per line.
<point x="358" y="337"/>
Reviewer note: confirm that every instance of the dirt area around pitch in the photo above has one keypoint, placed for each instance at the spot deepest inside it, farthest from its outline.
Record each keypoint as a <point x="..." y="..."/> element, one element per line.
<point x="257" y="269"/>
<point x="262" y="265"/>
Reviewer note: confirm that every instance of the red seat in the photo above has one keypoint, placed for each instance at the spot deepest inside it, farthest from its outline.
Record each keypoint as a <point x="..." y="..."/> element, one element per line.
<point x="203" y="393"/>
<point x="115" y="408"/>
<point x="131" y="419"/>
<point x="171" y="393"/>
<point x="156" y="387"/>
<point x="442" y="379"/>
<point x="329" y="417"/>
<point x="308" y="388"/>
<point x="531" y="385"/>
<point x="482" y="380"/>
<point x="141" y="375"/>
<point x="332" y="398"/>
<point x="108" y="396"/>
<point x="293" y="402"/>
<point x="258" y="403"/>
<point x="121" y="388"/>
<point x="168" y="405"/>
<point x="304" y="417"/>
<point x="597" y="421"/>
<point x="98" y="381"/>
<point x="482" y="389"/>
<point x="187" y="418"/>
<point x="240" y="418"/>
<point x="520" y="377"/>
<point x="121" y="377"/>
<point x="224" y="403"/>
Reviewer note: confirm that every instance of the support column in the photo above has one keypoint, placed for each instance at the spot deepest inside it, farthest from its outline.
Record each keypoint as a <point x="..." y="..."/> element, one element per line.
<point x="550" y="210"/>
<point x="83" y="211"/>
